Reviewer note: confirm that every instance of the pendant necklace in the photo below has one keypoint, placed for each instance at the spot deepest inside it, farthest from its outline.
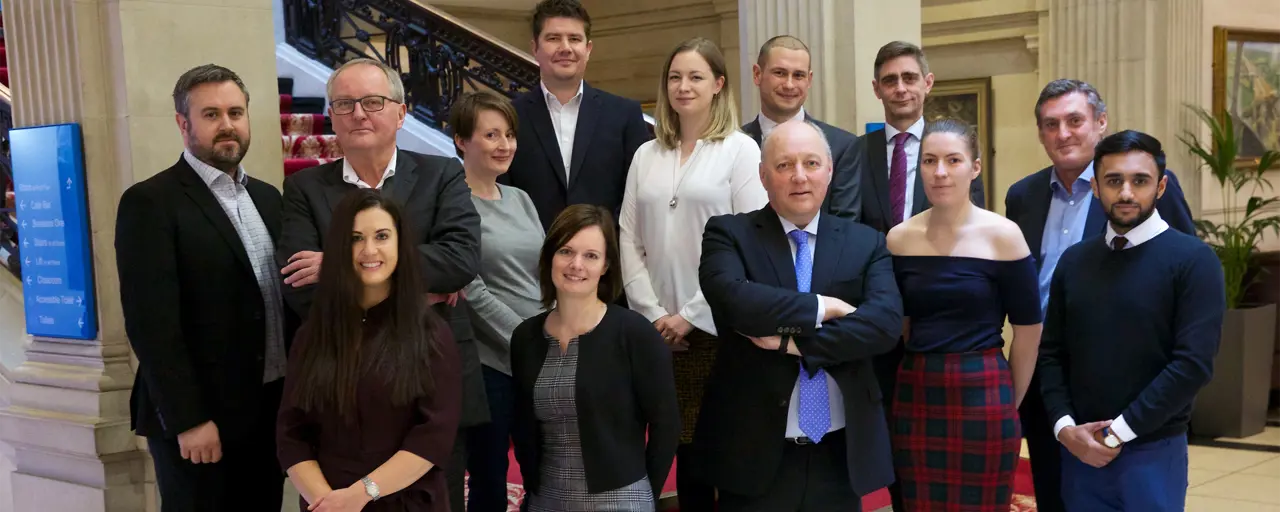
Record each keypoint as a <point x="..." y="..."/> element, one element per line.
<point x="683" y="171"/>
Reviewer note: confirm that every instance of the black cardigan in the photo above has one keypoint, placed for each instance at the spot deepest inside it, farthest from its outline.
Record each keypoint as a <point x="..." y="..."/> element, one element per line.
<point x="625" y="387"/>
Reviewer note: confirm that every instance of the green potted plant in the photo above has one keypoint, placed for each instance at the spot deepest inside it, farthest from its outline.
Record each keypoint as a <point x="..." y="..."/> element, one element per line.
<point x="1234" y="404"/>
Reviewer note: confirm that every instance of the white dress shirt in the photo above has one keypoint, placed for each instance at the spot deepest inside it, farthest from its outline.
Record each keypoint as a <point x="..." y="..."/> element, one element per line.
<point x="661" y="246"/>
<point x="767" y="125"/>
<point x="1140" y="234"/>
<point x="349" y="173"/>
<point x="243" y="214"/>
<point x="564" y="118"/>
<point x="835" y="399"/>
<point x="912" y="147"/>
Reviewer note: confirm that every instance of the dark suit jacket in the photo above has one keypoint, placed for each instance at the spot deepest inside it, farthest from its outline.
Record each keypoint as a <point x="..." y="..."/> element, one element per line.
<point x="844" y="196"/>
<point x="192" y="307"/>
<point x="435" y="198"/>
<point x="877" y="208"/>
<point x="610" y="129"/>
<point x="748" y="278"/>
<point x="624" y="387"/>
<point x="1027" y="204"/>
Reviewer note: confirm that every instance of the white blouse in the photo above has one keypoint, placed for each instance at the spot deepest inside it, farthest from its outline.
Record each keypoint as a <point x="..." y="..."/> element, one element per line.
<point x="664" y="211"/>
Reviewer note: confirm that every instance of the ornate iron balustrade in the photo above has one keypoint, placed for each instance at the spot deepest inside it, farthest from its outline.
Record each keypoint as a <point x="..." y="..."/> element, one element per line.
<point x="8" y="222"/>
<point x="439" y="57"/>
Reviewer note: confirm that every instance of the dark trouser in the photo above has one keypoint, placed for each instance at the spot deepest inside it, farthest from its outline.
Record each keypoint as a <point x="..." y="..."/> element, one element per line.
<point x="248" y="468"/>
<point x="886" y="370"/>
<point x="1150" y="476"/>
<point x="811" y="478"/>
<point x="456" y="474"/>
<point x="1045" y="451"/>
<point x="488" y="444"/>
<point x="692" y="490"/>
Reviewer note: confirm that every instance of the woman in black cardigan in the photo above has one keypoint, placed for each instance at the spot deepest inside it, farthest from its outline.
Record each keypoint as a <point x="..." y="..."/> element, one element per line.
<point x="591" y="379"/>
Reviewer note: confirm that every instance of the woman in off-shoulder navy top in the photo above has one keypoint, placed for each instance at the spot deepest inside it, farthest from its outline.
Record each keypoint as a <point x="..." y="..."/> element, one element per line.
<point x="961" y="270"/>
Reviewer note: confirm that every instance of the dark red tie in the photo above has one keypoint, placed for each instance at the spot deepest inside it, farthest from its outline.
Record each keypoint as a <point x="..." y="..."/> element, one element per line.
<point x="1118" y="243"/>
<point x="898" y="177"/>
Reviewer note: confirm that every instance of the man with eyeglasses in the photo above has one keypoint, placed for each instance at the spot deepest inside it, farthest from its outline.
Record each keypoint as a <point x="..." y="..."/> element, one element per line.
<point x="367" y="107"/>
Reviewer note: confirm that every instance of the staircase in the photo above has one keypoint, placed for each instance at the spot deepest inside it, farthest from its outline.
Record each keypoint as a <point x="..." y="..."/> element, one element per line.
<point x="306" y="133"/>
<point x="8" y="212"/>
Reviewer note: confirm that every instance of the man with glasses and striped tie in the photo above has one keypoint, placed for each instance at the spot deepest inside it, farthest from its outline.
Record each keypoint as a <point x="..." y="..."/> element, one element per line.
<point x="792" y="419"/>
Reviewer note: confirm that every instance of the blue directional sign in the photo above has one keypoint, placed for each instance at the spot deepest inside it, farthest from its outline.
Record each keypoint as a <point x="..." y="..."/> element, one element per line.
<point x="53" y="228"/>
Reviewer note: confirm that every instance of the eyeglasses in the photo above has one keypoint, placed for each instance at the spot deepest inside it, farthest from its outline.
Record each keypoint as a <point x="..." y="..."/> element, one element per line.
<point x="373" y="103"/>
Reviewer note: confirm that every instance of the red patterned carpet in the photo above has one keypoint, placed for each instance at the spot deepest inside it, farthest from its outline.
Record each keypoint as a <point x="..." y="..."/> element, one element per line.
<point x="1023" y="499"/>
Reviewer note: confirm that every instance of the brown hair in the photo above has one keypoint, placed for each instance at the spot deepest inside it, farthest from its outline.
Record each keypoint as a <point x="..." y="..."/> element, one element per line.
<point x="547" y="9"/>
<point x="897" y="49"/>
<point x="465" y="111"/>
<point x="955" y="127"/>
<point x="724" y="110"/>
<point x="200" y="75"/>
<point x="782" y="41"/>
<point x="567" y="225"/>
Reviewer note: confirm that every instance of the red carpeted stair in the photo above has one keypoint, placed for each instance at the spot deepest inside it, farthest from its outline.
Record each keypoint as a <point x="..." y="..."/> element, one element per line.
<point x="306" y="132"/>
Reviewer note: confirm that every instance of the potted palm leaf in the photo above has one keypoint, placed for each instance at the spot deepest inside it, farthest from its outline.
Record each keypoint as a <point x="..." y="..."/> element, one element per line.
<point x="1234" y="404"/>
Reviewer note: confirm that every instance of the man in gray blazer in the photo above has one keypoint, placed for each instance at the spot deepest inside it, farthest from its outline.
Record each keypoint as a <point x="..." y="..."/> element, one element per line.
<point x="366" y="103"/>
<point x="783" y="74"/>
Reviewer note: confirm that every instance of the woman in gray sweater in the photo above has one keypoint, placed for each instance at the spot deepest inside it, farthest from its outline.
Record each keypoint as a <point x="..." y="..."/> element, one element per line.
<point x="506" y="291"/>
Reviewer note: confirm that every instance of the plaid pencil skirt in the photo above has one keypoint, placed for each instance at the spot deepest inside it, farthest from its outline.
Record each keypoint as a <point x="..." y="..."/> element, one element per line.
<point x="955" y="431"/>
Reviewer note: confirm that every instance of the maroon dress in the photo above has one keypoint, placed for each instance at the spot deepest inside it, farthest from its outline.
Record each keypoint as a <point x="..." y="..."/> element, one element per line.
<point x="348" y="449"/>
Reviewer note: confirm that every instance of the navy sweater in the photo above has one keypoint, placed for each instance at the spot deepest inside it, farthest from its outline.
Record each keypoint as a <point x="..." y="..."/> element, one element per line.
<point x="1132" y="332"/>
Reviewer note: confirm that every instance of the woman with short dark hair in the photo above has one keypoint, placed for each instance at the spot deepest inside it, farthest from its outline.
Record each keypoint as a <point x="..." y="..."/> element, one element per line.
<point x="592" y="378"/>
<point x="374" y="390"/>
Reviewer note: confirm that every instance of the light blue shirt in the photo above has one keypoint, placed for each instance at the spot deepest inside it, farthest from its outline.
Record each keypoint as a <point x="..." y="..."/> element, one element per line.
<point x="1065" y="225"/>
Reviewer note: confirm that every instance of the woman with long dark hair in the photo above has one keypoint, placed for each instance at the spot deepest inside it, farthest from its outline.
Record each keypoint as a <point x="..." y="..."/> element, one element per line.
<point x="373" y="394"/>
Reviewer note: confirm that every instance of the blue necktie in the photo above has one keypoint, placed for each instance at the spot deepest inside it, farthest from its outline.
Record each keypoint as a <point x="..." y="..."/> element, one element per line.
<point x="813" y="411"/>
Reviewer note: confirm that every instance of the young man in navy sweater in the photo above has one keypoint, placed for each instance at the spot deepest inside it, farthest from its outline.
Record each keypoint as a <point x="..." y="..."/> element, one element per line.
<point x="1131" y="330"/>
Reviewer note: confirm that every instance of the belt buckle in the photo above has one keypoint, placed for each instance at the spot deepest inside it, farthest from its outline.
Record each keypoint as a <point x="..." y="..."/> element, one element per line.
<point x="801" y="441"/>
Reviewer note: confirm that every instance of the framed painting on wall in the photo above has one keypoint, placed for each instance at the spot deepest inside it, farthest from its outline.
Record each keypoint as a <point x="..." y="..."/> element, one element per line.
<point x="1246" y="86"/>
<point x="968" y="101"/>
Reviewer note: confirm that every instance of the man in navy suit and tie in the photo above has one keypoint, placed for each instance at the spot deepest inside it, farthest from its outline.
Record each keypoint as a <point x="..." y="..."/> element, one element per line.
<point x="1056" y="209"/>
<point x="783" y="74"/>
<point x="576" y="141"/>
<point x="792" y="419"/>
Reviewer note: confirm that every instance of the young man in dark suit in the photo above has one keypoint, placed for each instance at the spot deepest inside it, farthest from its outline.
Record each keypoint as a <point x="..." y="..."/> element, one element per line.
<point x="784" y="75"/>
<point x="1056" y="209"/>
<point x="1132" y="327"/>
<point x="366" y="103"/>
<point x="201" y="298"/>
<point x="892" y="190"/>
<point x="792" y="418"/>
<point x="576" y="142"/>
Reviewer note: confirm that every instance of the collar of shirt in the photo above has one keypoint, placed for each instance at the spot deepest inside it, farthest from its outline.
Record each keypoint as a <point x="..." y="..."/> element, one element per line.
<point x="553" y="101"/>
<point x="209" y="173"/>
<point x="811" y="228"/>
<point x="767" y="125"/>
<point x="916" y="129"/>
<point x="1055" y="183"/>
<point x="1154" y="225"/>
<point x="349" y="172"/>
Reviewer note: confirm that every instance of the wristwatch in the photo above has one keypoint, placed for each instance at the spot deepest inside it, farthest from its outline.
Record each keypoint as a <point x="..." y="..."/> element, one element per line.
<point x="370" y="488"/>
<point x="1110" y="438"/>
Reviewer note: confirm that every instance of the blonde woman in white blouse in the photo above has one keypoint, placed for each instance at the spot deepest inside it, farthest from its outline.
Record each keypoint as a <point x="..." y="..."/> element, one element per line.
<point x="699" y="166"/>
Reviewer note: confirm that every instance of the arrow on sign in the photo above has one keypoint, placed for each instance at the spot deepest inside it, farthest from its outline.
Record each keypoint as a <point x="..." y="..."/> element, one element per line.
<point x="81" y="322"/>
<point x="68" y="183"/>
<point x="28" y="261"/>
<point x="22" y="205"/>
<point x="28" y="280"/>
<point x="79" y="300"/>
<point x="24" y="224"/>
<point x="24" y="242"/>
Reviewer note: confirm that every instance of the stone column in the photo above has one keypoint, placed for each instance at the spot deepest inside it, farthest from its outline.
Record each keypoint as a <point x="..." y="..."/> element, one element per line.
<point x="843" y="37"/>
<point x="110" y="66"/>
<point x="1140" y="55"/>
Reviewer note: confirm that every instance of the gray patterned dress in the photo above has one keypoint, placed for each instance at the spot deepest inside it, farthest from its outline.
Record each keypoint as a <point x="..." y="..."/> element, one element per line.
<point x="563" y="485"/>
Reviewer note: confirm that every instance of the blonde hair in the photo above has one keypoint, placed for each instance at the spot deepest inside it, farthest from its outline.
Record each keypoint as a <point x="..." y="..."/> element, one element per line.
<point x="724" y="112"/>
